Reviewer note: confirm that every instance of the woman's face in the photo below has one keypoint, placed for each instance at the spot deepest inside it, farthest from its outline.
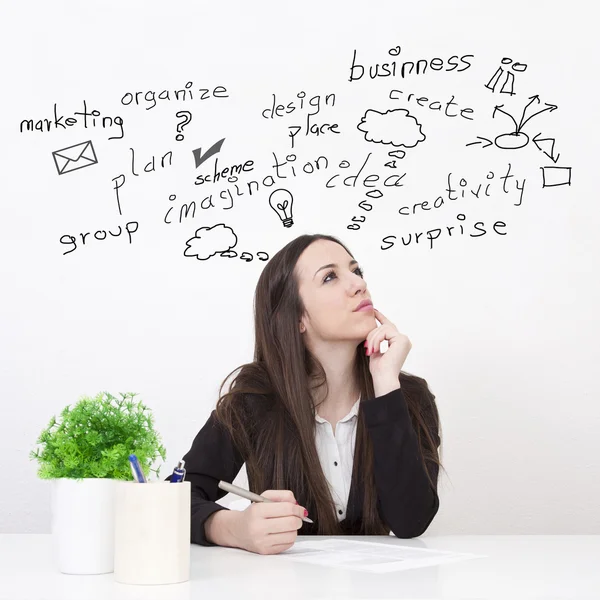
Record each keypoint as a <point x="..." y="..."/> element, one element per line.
<point x="331" y="287"/>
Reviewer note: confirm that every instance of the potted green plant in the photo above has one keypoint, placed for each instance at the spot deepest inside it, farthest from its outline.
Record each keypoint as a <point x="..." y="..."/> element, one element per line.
<point x="84" y="452"/>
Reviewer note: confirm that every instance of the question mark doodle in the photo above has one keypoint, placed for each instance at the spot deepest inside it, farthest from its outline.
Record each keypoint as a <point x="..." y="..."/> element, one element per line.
<point x="186" y="115"/>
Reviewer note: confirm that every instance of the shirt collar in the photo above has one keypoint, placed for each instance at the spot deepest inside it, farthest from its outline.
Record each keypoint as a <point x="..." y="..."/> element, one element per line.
<point x="353" y="413"/>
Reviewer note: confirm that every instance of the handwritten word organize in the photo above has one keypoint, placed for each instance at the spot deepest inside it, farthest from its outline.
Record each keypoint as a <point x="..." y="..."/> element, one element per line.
<point x="186" y="94"/>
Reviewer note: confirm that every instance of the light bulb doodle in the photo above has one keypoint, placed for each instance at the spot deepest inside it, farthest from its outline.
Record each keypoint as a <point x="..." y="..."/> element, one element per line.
<point x="281" y="201"/>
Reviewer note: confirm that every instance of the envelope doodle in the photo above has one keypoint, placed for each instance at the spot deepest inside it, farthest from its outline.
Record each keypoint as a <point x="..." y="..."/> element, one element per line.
<point x="74" y="157"/>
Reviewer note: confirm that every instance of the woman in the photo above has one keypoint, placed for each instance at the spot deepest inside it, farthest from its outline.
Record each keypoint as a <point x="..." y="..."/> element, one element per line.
<point x="328" y="426"/>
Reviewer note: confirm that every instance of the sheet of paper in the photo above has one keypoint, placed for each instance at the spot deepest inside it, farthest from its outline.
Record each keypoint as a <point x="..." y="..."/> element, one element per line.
<point x="369" y="556"/>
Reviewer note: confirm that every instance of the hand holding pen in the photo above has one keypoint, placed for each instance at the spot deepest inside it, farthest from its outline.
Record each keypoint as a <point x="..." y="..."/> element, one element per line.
<point x="269" y="525"/>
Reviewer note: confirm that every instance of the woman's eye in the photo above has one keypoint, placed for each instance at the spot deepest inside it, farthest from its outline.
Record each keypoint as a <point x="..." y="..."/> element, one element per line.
<point x="357" y="270"/>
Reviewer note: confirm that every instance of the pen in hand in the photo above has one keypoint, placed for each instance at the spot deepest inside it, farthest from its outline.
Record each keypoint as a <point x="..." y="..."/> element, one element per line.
<point x="238" y="491"/>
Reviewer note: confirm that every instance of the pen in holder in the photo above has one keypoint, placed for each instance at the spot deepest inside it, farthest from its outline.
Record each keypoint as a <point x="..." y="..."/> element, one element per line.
<point x="152" y="532"/>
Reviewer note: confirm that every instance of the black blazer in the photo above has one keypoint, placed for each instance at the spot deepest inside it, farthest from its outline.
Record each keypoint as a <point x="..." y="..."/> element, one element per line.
<point x="406" y="500"/>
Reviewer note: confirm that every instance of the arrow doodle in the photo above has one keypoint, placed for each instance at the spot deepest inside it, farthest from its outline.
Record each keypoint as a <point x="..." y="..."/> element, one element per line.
<point x="489" y="142"/>
<point x="542" y="143"/>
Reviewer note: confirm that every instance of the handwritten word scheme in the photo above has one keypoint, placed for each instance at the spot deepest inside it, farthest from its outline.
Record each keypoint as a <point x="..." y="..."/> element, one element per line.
<point x="358" y="145"/>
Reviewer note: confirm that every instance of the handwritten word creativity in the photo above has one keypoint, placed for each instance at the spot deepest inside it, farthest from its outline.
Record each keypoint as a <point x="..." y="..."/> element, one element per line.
<point x="89" y="119"/>
<point x="149" y="97"/>
<point x="461" y="188"/>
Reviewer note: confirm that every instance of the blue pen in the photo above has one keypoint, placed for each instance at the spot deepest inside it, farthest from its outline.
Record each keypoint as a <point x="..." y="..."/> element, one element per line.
<point x="136" y="469"/>
<point x="178" y="472"/>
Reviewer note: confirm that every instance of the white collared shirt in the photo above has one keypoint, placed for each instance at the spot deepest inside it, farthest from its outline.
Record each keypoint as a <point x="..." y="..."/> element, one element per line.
<point x="336" y="454"/>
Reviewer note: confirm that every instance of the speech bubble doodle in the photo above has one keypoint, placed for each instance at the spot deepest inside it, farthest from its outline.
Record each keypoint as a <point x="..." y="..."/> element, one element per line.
<point x="396" y="127"/>
<point x="209" y="241"/>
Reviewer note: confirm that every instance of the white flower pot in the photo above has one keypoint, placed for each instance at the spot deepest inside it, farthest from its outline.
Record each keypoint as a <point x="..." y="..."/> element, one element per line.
<point x="83" y="525"/>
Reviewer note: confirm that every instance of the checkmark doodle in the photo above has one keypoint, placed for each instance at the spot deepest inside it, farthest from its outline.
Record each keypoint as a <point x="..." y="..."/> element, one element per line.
<point x="214" y="149"/>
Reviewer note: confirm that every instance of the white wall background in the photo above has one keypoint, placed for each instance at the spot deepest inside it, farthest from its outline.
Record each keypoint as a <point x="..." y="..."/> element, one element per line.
<point x="504" y="327"/>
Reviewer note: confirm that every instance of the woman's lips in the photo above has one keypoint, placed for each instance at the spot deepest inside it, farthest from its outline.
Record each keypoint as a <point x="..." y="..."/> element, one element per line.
<point x="368" y="307"/>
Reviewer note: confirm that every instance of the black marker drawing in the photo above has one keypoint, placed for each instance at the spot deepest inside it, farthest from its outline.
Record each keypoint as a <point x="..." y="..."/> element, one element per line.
<point x="186" y="115"/>
<point x="229" y="173"/>
<point x="396" y="127"/>
<point x="543" y="143"/>
<point x="150" y="167"/>
<point x="209" y="241"/>
<point x="433" y="234"/>
<point x="454" y="192"/>
<point x="75" y="157"/>
<point x="555" y="176"/>
<point x="199" y="158"/>
<point x="508" y="84"/>
<point x="245" y="256"/>
<point x="416" y="66"/>
<point x="217" y="240"/>
<point x="184" y="94"/>
<point x="396" y="154"/>
<point x="90" y="119"/>
<point x="312" y="128"/>
<point x="434" y="105"/>
<point x="314" y="102"/>
<point x="365" y="206"/>
<point x="99" y="235"/>
<point x="516" y="139"/>
<point x="281" y="202"/>
<point x="391" y="164"/>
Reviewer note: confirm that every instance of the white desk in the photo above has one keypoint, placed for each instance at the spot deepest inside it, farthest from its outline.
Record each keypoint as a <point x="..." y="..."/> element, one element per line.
<point x="556" y="567"/>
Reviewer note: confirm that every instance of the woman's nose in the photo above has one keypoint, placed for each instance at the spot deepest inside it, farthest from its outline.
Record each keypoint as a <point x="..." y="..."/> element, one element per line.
<point x="359" y="284"/>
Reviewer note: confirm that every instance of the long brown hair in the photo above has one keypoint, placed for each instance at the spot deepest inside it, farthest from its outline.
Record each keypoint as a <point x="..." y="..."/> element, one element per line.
<point x="279" y="448"/>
